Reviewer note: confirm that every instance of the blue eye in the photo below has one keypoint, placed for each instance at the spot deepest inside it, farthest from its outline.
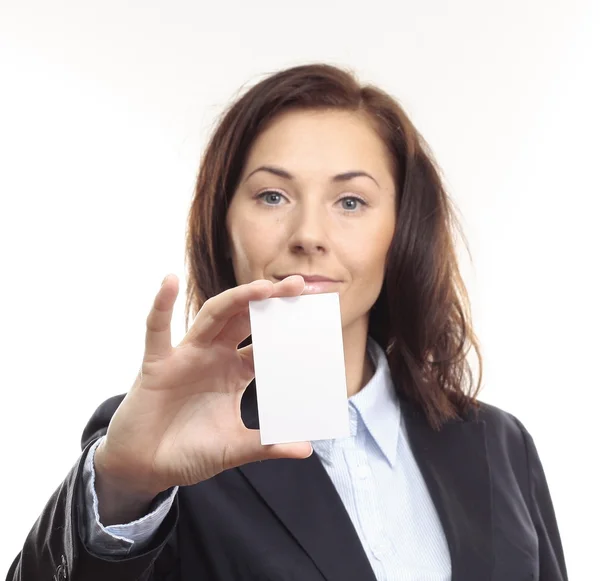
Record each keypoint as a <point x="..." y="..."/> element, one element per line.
<point x="350" y="204"/>
<point x="271" y="197"/>
<point x="356" y="203"/>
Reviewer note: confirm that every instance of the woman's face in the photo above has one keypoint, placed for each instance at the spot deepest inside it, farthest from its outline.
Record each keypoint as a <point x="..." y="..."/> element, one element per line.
<point x="317" y="198"/>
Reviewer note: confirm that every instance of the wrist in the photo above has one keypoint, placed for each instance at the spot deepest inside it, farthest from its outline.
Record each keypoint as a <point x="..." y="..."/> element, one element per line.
<point x="128" y="485"/>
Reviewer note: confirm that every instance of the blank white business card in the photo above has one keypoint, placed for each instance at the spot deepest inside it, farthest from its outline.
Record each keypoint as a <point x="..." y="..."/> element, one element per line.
<point x="299" y="368"/>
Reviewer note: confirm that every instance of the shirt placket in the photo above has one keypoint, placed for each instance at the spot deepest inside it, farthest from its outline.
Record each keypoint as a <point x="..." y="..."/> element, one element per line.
<point x="369" y="509"/>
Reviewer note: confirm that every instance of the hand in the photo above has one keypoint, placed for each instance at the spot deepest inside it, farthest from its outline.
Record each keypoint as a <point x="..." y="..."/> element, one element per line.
<point x="180" y="423"/>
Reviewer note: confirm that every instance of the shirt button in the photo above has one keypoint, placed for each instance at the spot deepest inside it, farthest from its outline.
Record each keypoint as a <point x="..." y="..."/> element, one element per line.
<point x="382" y="548"/>
<point x="363" y="472"/>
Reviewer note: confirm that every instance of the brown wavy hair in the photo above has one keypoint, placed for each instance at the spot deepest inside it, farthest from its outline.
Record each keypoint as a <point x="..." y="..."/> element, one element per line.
<point x="422" y="315"/>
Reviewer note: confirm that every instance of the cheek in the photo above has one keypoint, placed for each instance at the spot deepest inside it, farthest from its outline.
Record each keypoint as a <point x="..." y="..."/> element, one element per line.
<point x="252" y="250"/>
<point x="365" y="259"/>
<point x="367" y="255"/>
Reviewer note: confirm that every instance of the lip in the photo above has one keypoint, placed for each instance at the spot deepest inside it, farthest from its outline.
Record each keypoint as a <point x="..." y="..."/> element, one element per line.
<point x="315" y="278"/>
<point x="315" y="283"/>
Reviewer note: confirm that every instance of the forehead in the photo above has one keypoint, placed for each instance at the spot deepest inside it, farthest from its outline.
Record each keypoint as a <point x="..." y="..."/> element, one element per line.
<point x="331" y="140"/>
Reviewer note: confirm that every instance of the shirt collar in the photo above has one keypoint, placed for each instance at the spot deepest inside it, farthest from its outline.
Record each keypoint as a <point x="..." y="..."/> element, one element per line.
<point x="376" y="406"/>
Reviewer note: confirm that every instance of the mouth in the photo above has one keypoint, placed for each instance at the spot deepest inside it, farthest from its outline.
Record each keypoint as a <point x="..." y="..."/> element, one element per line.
<point x="308" y="278"/>
<point x="316" y="284"/>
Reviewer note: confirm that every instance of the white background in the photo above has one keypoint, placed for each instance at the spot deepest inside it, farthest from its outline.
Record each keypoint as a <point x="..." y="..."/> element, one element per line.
<point x="105" y="109"/>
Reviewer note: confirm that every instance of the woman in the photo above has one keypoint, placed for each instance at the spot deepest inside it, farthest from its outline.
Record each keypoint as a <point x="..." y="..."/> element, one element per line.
<point x="307" y="175"/>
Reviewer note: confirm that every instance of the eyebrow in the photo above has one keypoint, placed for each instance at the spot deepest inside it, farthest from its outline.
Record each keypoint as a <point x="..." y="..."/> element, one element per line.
<point x="341" y="177"/>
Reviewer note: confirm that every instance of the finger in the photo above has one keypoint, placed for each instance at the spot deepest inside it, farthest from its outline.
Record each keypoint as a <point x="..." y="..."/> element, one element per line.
<point x="238" y="327"/>
<point x="158" y="322"/>
<point x="248" y="448"/>
<point x="296" y="450"/>
<point x="289" y="287"/>
<point x="247" y="356"/>
<point x="218" y="310"/>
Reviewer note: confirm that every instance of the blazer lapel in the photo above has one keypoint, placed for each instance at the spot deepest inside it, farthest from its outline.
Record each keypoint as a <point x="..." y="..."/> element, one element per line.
<point x="455" y="468"/>
<point x="325" y="531"/>
<point x="454" y="465"/>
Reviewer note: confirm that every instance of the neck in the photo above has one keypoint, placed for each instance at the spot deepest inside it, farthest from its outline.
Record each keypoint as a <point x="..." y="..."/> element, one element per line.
<point x="359" y="368"/>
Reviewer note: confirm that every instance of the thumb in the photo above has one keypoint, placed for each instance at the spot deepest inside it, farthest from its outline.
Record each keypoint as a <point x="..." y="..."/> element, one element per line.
<point x="251" y="449"/>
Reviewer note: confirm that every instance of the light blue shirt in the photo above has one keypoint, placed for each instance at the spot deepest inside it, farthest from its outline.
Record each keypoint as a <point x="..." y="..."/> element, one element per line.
<point x="373" y="471"/>
<point x="381" y="486"/>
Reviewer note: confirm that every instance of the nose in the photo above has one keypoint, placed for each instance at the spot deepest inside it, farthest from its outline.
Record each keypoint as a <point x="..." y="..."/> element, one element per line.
<point x="308" y="231"/>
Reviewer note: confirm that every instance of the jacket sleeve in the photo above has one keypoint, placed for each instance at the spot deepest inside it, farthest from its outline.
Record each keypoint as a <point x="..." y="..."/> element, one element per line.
<point x="551" y="556"/>
<point x="117" y="540"/>
<point x="54" y="549"/>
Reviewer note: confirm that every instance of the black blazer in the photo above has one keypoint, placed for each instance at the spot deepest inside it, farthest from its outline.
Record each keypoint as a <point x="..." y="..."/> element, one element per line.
<point x="283" y="519"/>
